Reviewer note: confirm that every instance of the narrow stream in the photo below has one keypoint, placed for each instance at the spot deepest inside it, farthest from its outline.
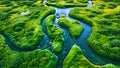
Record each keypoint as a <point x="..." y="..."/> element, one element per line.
<point x="8" y="41"/>
<point x="81" y="41"/>
<point x="45" y="42"/>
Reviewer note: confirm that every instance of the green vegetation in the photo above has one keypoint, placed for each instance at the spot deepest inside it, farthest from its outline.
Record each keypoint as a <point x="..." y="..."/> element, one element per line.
<point x="67" y="3"/>
<point x="32" y="59"/>
<point x="105" y="36"/>
<point x="75" y="29"/>
<point x="75" y="59"/>
<point x="54" y="33"/>
<point x="110" y="66"/>
<point x="21" y="23"/>
<point x="83" y="1"/>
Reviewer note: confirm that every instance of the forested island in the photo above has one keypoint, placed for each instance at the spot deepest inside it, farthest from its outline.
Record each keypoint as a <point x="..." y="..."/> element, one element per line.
<point x="59" y="34"/>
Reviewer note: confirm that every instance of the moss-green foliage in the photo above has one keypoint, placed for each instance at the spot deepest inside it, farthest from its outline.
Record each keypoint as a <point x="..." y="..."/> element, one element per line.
<point x="35" y="59"/>
<point x="111" y="0"/>
<point x="105" y="36"/>
<point x="18" y="26"/>
<point x="3" y="47"/>
<point x="32" y="59"/>
<point x="75" y="29"/>
<point x="54" y="33"/>
<point x="57" y="44"/>
<point x="83" y="1"/>
<point x="41" y="58"/>
<point x="24" y="30"/>
<point x="67" y="3"/>
<point x="75" y="59"/>
<point x="52" y="30"/>
<point x="110" y="66"/>
<point x="112" y="5"/>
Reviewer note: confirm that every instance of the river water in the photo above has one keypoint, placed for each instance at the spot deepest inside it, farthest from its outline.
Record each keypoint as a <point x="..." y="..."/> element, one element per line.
<point x="45" y="42"/>
<point x="81" y="41"/>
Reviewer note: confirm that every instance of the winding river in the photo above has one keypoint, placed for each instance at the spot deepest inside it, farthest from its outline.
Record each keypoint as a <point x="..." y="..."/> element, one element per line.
<point x="69" y="41"/>
<point x="45" y="42"/>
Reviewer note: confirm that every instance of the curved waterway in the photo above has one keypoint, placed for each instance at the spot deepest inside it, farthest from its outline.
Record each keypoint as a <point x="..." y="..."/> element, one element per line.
<point x="45" y="42"/>
<point x="69" y="41"/>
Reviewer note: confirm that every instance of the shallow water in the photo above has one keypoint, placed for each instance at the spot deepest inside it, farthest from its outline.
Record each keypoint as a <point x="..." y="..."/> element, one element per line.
<point x="45" y="42"/>
<point x="81" y="41"/>
<point x="8" y="41"/>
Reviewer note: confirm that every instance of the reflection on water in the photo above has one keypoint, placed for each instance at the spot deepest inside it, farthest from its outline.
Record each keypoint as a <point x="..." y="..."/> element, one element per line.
<point x="81" y="41"/>
<point x="89" y="3"/>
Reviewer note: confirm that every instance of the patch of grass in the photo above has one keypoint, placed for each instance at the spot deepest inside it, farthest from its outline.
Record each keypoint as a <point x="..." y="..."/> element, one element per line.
<point x="112" y="5"/>
<point x="17" y="26"/>
<point x="67" y="3"/>
<point x="57" y="44"/>
<point x="105" y="25"/>
<point x="75" y="29"/>
<point x="83" y="1"/>
<point x="54" y="33"/>
<point x="75" y="59"/>
<point x="31" y="59"/>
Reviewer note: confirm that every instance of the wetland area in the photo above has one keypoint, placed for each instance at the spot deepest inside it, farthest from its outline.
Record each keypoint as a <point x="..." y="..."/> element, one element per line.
<point x="60" y="34"/>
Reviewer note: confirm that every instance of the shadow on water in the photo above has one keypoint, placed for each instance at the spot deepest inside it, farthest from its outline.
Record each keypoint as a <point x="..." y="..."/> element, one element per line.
<point x="45" y="42"/>
<point x="10" y="44"/>
<point x="81" y="41"/>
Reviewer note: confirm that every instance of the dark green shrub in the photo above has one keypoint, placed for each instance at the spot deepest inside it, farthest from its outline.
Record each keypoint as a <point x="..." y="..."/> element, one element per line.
<point x="104" y="22"/>
<point x="83" y="1"/>
<point x="29" y="3"/>
<point x="35" y="14"/>
<point x="112" y="5"/>
<point x="21" y="3"/>
<point x="117" y="13"/>
<point x="16" y="62"/>
<point x="111" y="37"/>
<point x="87" y="9"/>
<point x="12" y="12"/>
<point x="7" y="10"/>
<point x="31" y="29"/>
<point x="108" y="16"/>
<point x="28" y="33"/>
<point x="115" y="43"/>
<point x="96" y="11"/>
<point x="6" y="2"/>
<point x="115" y="20"/>
<point x="118" y="16"/>
<point x="69" y="1"/>
<point x="91" y="15"/>
<point x="18" y="26"/>
<point x="111" y="0"/>
<point x="4" y="16"/>
<point x="52" y="0"/>
<point x="110" y="31"/>
<point x="101" y="6"/>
